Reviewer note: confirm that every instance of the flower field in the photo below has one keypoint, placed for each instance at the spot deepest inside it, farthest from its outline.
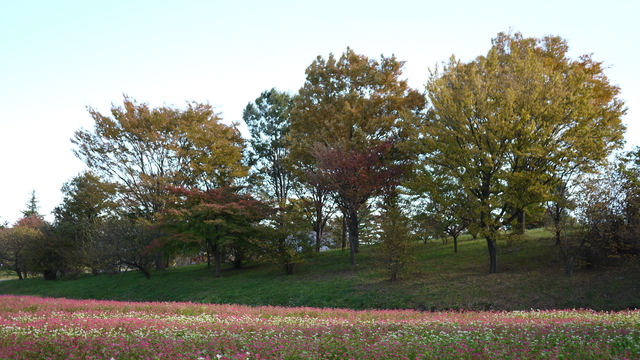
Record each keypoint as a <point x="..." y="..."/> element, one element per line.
<point x="37" y="328"/>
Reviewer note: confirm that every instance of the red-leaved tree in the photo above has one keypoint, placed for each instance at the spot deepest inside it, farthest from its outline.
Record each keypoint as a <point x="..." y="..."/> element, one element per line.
<point x="355" y="176"/>
<point x="213" y="218"/>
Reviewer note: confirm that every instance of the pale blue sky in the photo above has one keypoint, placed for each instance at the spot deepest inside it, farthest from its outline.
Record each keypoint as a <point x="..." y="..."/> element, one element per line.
<point x="57" y="57"/>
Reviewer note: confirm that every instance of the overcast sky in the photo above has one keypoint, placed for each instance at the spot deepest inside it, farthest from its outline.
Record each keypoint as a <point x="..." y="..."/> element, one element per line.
<point x="58" y="57"/>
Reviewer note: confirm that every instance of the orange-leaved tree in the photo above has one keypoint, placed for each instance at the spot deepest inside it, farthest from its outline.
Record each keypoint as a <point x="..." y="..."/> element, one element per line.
<point x="144" y="150"/>
<point x="350" y="106"/>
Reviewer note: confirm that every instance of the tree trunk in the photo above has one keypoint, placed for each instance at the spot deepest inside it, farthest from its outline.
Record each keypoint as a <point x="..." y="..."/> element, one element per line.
<point x="318" y="229"/>
<point x="19" y="272"/>
<point x="288" y="268"/>
<point x="344" y="232"/>
<point x="50" y="274"/>
<point x="522" y="221"/>
<point x="493" y="254"/>
<point x="146" y="272"/>
<point x="394" y="276"/>
<point x="556" y="222"/>
<point x="238" y="257"/>
<point x="353" y="235"/>
<point x="159" y="262"/>
<point x="321" y="219"/>
<point x="455" y="244"/>
<point x="568" y="267"/>
<point x="217" y="259"/>
<point x="355" y="232"/>
<point x="352" y="253"/>
<point x="209" y="252"/>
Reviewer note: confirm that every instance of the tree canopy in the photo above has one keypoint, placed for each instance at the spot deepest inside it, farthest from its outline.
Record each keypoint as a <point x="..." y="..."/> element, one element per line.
<point x="348" y="108"/>
<point x="86" y="198"/>
<point x="268" y="122"/>
<point x="146" y="149"/>
<point x="213" y="218"/>
<point x="506" y="127"/>
<point x="32" y="206"/>
<point x="506" y="134"/>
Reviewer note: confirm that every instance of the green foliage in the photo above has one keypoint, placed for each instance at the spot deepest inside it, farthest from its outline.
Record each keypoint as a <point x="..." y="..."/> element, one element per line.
<point x="85" y="198"/>
<point x="32" y="206"/>
<point x="214" y="218"/>
<point x="86" y="203"/>
<point x="268" y="122"/>
<point x="558" y="210"/>
<point x="51" y="255"/>
<point x="397" y="245"/>
<point x="441" y="206"/>
<point x="31" y="246"/>
<point x="508" y="126"/>
<point x="284" y="239"/>
<point x="503" y="135"/>
<point x="15" y="246"/>
<point x="284" y="248"/>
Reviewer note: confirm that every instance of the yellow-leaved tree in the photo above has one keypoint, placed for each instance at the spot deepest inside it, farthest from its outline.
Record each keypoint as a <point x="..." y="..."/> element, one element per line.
<point x="508" y="127"/>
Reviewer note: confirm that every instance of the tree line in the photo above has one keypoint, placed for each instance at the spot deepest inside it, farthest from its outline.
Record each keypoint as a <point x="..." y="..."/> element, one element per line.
<point x="521" y="135"/>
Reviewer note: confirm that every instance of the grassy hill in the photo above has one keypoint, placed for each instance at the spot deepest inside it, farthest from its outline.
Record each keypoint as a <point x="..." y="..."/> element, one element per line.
<point x="531" y="276"/>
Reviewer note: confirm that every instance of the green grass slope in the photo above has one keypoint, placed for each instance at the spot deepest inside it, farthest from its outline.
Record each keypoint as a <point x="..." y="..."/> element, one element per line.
<point x="531" y="276"/>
